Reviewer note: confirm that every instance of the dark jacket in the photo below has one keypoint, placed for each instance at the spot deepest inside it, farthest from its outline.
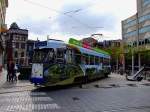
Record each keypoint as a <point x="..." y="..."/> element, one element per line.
<point x="10" y="67"/>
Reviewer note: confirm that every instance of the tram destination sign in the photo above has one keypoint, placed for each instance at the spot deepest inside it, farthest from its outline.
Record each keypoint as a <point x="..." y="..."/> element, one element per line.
<point x="41" y="44"/>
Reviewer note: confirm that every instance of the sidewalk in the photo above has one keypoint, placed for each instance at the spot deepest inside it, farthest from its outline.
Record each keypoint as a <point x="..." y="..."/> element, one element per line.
<point x="8" y="87"/>
<point x="3" y="76"/>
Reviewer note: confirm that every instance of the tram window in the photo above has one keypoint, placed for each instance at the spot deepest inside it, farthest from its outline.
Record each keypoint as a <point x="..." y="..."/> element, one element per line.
<point x="100" y="60"/>
<point x="83" y="59"/>
<point x="50" y="56"/>
<point x="106" y="61"/>
<point x="60" y="53"/>
<point x="69" y="57"/>
<point x="39" y="55"/>
<point x="91" y="60"/>
<point x="96" y="60"/>
<point x="78" y="58"/>
<point x="87" y="59"/>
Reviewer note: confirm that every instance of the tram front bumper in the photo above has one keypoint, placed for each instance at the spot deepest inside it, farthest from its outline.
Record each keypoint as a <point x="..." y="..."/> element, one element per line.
<point x="37" y="80"/>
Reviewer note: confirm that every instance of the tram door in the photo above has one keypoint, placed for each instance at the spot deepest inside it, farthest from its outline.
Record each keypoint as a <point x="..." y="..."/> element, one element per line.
<point x="60" y="55"/>
<point x="70" y="56"/>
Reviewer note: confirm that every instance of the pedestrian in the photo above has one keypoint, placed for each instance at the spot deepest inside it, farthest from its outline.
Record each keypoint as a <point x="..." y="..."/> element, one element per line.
<point x="12" y="70"/>
<point x="8" y="71"/>
<point x="15" y="72"/>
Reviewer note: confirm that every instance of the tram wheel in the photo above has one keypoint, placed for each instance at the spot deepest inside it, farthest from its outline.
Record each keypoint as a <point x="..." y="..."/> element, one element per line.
<point x="85" y="79"/>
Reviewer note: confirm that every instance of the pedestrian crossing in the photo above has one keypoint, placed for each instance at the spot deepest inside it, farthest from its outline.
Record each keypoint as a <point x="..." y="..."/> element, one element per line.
<point x="27" y="101"/>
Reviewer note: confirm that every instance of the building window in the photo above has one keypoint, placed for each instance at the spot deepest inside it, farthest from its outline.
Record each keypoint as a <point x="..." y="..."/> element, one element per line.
<point x="30" y="48"/>
<point x="17" y="38"/>
<point x="146" y="2"/>
<point x="143" y="18"/>
<point x="132" y="33"/>
<point x="147" y="41"/>
<point x="17" y="61"/>
<point x="144" y="29"/>
<point x="16" y="54"/>
<point x="17" y="45"/>
<point x="21" y="61"/>
<point x="128" y="21"/>
<point x="23" y="45"/>
<point x="24" y="38"/>
<point x="22" y="54"/>
<point x="135" y="43"/>
<point x="131" y="23"/>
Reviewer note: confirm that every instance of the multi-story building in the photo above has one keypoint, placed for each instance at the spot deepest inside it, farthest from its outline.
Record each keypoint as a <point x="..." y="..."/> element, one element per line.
<point x="129" y="30"/>
<point x="17" y="44"/>
<point x="3" y="6"/>
<point x="136" y="31"/>
<point x="109" y="43"/>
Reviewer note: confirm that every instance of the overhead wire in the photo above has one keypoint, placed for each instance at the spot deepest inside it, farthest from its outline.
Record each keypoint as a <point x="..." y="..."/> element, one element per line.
<point x="62" y="13"/>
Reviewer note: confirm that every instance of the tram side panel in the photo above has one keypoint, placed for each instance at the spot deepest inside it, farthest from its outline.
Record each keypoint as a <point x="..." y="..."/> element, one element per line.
<point x="67" y="71"/>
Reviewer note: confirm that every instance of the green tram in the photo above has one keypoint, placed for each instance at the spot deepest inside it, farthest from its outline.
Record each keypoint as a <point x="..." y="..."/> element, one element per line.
<point x="58" y="63"/>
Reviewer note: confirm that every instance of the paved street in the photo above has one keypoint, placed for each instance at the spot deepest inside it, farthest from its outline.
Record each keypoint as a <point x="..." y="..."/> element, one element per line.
<point x="113" y="94"/>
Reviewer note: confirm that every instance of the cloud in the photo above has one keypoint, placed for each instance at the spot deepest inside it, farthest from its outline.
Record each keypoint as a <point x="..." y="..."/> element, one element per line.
<point x="69" y="17"/>
<point x="84" y="21"/>
<point x="39" y="27"/>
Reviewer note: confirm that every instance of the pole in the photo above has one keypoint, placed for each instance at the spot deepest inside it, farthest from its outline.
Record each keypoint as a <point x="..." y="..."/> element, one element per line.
<point x="139" y="55"/>
<point x="124" y="63"/>
<point x="117" y="66"/>
<point x="139" y="60"/>
<point x="132" y="63"/>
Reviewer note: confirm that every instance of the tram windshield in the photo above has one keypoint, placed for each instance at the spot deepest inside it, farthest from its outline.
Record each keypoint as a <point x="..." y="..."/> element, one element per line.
<point x="43" y="55"/>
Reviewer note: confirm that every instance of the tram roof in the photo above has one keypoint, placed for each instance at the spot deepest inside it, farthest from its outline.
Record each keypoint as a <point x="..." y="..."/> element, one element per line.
<point x="51" y="44"/>
<point x="90" y="52"/>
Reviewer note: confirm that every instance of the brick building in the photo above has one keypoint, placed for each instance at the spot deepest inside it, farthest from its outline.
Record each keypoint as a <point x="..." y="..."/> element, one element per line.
<point x="16" y="43"/>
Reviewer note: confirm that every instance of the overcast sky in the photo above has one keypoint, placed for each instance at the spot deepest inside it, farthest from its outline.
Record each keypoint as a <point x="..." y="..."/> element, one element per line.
<point x="62" y="19"/>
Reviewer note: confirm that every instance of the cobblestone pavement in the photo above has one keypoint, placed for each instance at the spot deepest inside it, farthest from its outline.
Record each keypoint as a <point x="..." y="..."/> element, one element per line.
<point x="116" y="80"/>
<point x="99" y="96"/>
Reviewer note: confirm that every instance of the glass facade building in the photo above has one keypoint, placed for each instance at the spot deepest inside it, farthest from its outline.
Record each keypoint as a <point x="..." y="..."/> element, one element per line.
<point x="136" y="29"/>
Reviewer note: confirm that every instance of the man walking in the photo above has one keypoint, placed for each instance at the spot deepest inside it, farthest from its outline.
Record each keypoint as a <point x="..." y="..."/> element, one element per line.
<point x="11" y="71"/>
<point x="8" y="70"/>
